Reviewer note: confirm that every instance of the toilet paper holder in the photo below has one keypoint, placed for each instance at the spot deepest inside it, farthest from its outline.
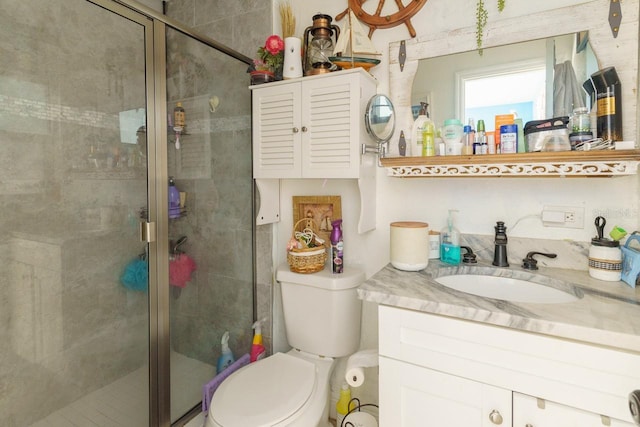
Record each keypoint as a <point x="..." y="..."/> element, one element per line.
<point x="354" y="374"/>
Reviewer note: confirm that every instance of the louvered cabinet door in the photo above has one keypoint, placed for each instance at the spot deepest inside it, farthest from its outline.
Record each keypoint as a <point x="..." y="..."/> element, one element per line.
<point x="311" y="127"/>
<point x="332" y="116"/>
<point x="277" y="131"/>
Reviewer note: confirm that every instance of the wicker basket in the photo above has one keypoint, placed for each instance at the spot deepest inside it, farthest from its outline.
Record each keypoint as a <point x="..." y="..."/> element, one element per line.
<point x="308" y="260"/>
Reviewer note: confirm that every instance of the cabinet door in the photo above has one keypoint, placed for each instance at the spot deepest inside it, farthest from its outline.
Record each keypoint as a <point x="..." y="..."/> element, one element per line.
<point x="332" y="117"/>
<point x="277" y="131"/>
<point x="412" y="396"/>
<point x="533" y="412"/>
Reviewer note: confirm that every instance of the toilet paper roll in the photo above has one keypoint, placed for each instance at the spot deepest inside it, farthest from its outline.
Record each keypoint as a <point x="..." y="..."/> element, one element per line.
<point x="363" y="359"/>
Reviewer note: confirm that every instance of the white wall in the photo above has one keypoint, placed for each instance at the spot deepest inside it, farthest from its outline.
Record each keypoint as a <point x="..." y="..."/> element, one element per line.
<point x="480" y="201"/>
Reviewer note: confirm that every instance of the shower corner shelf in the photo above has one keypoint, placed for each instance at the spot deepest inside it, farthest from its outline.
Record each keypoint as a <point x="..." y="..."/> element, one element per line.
<point x="601" y="163"/>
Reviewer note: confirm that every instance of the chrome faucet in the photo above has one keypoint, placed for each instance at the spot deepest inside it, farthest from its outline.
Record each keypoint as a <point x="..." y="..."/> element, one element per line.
<point x="500" y="251"/>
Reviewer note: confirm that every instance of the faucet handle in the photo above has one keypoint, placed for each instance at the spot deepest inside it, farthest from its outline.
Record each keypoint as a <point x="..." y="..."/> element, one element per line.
<point x="469" y="257"/>
<point x="529" y="263"/>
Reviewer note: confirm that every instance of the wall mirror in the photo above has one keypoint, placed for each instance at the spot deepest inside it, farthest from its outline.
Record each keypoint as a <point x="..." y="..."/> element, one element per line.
<point x="590" y="17"/>
<point x="516" y="78"/>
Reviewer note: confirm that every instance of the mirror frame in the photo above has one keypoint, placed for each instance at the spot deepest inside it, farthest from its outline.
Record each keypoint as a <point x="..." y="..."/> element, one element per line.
<point x="592" y="16"/>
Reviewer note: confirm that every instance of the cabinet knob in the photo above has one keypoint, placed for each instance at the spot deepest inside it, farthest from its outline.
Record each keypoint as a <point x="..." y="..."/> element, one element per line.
<point x="528" y="425"/>
<point x="304" y="129"/>
<point x="296" y="130"/>
<point x="495" y="417"/>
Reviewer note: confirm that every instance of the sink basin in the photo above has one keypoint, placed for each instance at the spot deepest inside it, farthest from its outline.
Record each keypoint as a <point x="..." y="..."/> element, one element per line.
<point x="506" y="288"/>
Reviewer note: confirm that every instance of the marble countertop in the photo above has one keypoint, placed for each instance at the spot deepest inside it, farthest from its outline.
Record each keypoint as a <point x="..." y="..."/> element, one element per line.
<point x="606" y="313"/>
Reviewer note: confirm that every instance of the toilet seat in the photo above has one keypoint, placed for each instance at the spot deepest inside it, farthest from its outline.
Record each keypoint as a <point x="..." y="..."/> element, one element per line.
<point x="264" y="393"/>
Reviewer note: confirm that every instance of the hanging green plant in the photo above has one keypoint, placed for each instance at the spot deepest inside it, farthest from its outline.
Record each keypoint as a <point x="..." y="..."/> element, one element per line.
<point x="481" y="20"/>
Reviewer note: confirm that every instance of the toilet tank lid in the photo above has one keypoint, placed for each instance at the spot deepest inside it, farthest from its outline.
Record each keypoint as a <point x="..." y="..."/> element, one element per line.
<point x="351" y="277"/>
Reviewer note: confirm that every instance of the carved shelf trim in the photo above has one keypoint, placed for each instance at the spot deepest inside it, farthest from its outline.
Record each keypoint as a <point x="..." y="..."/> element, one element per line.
<point x="569" y="164"/>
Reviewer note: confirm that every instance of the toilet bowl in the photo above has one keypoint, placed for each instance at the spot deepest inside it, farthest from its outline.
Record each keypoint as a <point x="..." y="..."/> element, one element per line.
<point x="322" y="322"/>
<point x="286" y="389"/>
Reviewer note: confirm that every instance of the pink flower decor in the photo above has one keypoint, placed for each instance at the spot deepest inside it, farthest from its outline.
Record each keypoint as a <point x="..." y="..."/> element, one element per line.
<point x="271" y="55"/>
<point x="274" y="44"/>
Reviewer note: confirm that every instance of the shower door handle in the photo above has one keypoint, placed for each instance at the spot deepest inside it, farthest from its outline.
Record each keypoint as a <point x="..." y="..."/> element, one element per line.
<point x="147" y="231"/>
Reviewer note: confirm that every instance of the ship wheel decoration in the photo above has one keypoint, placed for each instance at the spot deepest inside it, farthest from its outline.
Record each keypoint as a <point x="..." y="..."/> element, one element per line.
<point x="377" y="20"/>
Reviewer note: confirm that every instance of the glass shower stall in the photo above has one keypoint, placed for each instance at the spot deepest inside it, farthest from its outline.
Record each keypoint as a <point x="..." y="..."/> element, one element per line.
<point x="113" y="305"/>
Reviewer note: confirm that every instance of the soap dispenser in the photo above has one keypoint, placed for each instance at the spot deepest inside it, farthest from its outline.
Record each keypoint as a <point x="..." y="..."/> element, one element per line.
<point x="450" y="242"/>
<point x="226" y="358"/>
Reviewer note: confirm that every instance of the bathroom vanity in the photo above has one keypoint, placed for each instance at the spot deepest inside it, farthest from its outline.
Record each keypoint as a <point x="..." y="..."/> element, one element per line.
<point x="453" y="358"/>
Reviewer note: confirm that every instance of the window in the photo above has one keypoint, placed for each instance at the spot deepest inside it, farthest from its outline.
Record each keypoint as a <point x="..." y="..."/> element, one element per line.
<point x="517" y="88"/>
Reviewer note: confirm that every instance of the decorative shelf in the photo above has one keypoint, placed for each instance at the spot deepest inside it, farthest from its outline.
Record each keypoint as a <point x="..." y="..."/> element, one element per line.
<point x="567" y="163"/>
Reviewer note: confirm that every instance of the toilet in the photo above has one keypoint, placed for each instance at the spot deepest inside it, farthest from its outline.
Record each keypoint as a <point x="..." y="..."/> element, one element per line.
<point x="322" y="321"/>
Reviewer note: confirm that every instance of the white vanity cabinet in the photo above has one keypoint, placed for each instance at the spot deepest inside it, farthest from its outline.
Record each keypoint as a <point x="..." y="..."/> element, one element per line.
<point x="413" y="396"/>
<point x="311" y="127"/>
<point x="442" y="371"/>
<point x="535" y="412"/>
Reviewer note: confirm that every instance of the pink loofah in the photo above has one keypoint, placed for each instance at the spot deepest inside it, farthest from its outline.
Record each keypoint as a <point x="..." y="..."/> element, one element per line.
<point x="180" y="270"/>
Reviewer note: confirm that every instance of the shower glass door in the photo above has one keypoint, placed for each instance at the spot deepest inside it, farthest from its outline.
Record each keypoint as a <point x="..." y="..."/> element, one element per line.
<point x="74" y="300"/>
<point x="211" y="241"/>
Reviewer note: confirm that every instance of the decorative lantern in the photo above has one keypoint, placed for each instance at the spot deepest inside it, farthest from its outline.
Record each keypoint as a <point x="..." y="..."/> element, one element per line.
<point x="319" y="40"/>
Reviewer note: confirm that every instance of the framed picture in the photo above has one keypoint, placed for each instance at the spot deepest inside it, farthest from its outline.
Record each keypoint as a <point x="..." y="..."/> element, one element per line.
<point x="322" y="209"/>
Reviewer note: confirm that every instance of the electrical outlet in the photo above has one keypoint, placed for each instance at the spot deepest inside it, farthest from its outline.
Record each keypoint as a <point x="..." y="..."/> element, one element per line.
<point x="563" y="216"/>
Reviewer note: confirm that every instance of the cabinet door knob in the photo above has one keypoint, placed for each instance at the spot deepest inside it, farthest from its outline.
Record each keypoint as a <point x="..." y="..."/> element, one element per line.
<point x="296" y="130"/>
<point x="495" y="417"/>
<point x="304" y="128"/>
<point x="528" y="425"/>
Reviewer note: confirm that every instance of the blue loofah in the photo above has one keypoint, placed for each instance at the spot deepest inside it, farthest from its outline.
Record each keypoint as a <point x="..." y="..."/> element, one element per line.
<point x="136" y="275"/>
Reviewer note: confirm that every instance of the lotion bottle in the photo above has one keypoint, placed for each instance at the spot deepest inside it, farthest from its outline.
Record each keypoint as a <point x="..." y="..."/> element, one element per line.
<point x="419" y="126"/>
<point x="226" y="358"/>
<point x="450" y="242"/>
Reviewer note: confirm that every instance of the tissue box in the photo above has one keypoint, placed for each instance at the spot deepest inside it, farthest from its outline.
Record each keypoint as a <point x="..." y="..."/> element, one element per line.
<point x="631" y="261"/>
<point x="538" y="131"/>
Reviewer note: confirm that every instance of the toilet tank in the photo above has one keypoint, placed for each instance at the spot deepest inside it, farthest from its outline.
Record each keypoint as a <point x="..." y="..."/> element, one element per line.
<point x="322" y="311"/>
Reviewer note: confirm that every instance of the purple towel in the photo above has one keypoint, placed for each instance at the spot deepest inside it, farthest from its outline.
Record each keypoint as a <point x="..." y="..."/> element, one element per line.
<point x="209" y="388"/>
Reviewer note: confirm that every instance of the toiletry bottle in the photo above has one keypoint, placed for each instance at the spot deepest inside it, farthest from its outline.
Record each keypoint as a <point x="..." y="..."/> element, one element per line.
<point x="416" y="131"/>
<point x="344" y="404"/>
<point x="337" y="254"/>
<point x="178" y="116"/>
<point x="257" y="347"/>
<point x="428" y="139"/>
<point x="174" y="199"/>
<point x="467" y="147"/>
<point x="226" y="358"/>
<point x="450" y="242"/>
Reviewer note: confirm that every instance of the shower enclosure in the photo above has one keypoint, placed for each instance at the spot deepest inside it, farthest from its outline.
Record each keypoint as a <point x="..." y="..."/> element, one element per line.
<point x="111" y="312"/>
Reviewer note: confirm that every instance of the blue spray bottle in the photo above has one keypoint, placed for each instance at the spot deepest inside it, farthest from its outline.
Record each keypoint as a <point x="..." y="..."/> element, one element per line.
<point x="226" y="358"/>
<point x="337" y="254"/>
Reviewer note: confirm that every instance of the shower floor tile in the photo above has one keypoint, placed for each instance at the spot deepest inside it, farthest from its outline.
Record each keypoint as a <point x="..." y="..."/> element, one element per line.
<point x="119" y="403"/>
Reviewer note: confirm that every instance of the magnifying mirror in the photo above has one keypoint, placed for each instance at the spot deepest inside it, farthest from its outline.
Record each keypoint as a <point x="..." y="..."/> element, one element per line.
<point x="380" y="118"/>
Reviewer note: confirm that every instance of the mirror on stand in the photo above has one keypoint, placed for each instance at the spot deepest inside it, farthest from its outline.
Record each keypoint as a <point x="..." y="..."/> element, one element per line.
<point x="380" y="122"/>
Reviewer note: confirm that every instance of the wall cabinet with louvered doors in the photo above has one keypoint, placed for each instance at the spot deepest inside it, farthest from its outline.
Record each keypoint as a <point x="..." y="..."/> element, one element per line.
<point x="311" y="127"/>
